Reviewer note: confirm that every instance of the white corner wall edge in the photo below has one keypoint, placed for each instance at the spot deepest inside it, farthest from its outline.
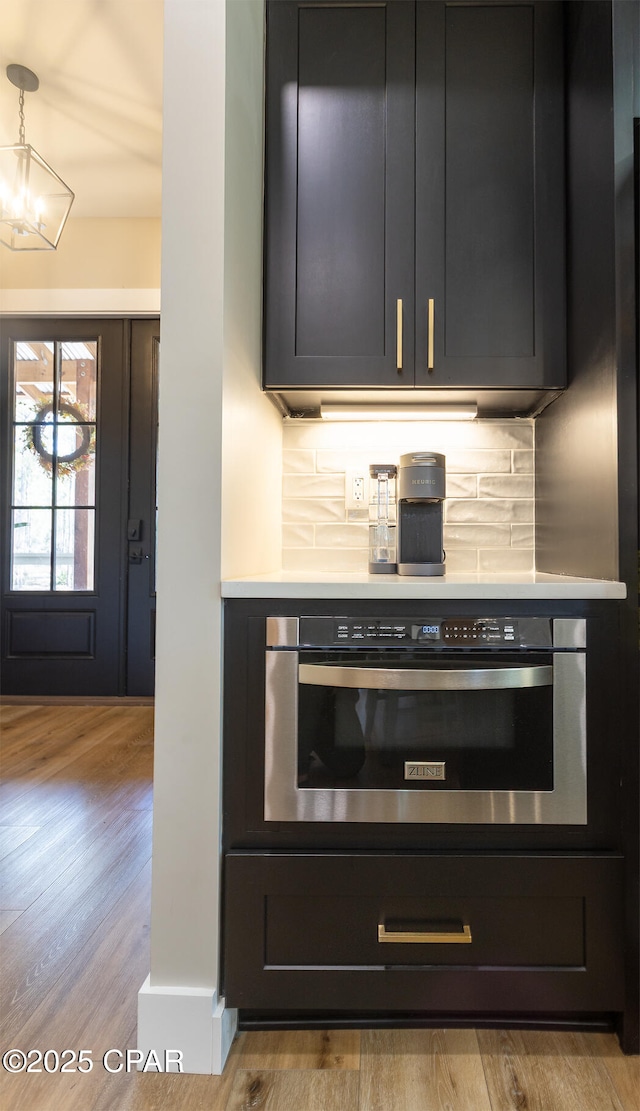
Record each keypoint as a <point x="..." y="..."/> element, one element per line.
<point x="191" y="1021"/>
<point x="79" y="302"/>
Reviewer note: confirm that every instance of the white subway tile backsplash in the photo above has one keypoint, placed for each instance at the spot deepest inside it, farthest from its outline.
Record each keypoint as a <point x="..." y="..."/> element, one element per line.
<point x="478" y="461"/>
<point x="298" y="536"/>
<point x="312" y="509"/>
<point x="462" y="486"/>
<point x="512" y="559"/>
<point x="491" y="509"/>
<point x="342" y="536"/>
<point x="476" y="536"/>
<point x="298" y="462"/>
<point x="522" y="536"/>
<point x="488" y="511"/>
<point x="505" y="486"/>
<point x="522" y="462"/>
<point x="461" y="560"/>
<point x="403" y="436"/>
<point x="313" y="486"/>
<point x="325" y="559"/>
<point x="492" y="434"/>
<point x="340" y="460"/>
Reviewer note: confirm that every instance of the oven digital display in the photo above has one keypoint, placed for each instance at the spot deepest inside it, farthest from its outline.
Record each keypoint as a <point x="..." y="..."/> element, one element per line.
<point x="428" y="632"/>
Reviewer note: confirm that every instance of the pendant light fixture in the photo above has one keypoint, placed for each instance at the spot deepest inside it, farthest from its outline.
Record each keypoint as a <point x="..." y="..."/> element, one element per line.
<point x="34" y="200"/>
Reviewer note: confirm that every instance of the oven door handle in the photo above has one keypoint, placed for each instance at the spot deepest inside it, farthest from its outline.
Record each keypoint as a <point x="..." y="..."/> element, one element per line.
<point x="433" y="679"/>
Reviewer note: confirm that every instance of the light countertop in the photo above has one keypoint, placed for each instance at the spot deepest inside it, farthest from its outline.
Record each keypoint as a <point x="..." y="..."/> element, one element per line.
<point x="327" y="584"/>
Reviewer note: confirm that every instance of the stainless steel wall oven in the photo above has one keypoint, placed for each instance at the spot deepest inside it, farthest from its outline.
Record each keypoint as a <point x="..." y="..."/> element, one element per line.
<point x="449" y="720"/>
<point x="423" y="724"/>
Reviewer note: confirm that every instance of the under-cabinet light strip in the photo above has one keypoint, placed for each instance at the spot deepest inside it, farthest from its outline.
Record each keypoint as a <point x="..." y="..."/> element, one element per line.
<point x="355" y="412"/>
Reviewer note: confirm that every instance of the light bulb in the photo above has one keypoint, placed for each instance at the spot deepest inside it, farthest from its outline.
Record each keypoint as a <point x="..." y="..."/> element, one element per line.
<point x="17" y="205"/>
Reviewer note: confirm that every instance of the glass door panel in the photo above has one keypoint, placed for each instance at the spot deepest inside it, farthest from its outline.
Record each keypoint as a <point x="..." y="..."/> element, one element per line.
<point x="424" y="723"/>
<point x="55" y="443"/>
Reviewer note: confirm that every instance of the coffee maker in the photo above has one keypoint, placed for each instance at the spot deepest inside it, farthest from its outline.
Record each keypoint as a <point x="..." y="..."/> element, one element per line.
<point x="421" y="492"/>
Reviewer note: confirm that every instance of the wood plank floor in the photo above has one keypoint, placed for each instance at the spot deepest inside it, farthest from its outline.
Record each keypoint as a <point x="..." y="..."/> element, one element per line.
<point x="75" y="825"/>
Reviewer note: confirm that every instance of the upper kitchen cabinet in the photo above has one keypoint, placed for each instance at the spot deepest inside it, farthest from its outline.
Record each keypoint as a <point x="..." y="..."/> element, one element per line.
<point x="339" y="235"/>
<point x="489" y="195"/>
<point x="414" y="232"/>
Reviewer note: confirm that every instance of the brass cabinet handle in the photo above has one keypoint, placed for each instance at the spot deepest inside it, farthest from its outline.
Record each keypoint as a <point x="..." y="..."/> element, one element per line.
<point x="430" y="331"/>
<point x="427" y="938"/>
<point x="399" y="334"/>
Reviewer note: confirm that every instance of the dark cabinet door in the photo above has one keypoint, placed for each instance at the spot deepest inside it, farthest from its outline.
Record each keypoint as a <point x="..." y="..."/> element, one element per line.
<point x="414" y="147"/>
<point x="489" y="195"/>
<point x="339" y="194"/>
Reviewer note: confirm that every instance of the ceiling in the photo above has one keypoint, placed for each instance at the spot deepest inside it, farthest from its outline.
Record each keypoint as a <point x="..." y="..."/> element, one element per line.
<point x="97" y="116"/>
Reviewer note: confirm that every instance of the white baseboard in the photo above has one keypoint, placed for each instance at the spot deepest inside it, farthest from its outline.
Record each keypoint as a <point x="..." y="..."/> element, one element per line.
<point x="189" y="1021"/>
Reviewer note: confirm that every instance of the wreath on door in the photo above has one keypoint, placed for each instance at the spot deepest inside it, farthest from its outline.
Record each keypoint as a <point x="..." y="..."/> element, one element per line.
<point x="74" y="461"/>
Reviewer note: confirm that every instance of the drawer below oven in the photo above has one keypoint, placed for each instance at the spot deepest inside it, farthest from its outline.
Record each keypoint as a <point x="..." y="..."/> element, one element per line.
<point x="361" y="931"/>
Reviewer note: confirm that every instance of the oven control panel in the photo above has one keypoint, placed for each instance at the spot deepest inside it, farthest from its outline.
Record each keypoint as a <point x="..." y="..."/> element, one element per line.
<point x="460" y="631"/>
<point x="447" y="632"/>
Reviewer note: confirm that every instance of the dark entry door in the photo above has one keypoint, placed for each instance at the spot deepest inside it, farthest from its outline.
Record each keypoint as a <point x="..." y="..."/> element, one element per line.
<point x="141" y="521"/>
<point x="66" y="416"/>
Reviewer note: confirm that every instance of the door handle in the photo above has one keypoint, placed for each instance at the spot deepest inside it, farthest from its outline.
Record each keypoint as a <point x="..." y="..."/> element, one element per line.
<point x="430" y="332"/>
<point x="136" y="555"/>
<point x="398" y="335"/>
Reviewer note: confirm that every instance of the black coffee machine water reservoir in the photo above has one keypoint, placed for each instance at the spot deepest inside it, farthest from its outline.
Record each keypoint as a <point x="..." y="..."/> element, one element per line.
<point x="421" y="493"/>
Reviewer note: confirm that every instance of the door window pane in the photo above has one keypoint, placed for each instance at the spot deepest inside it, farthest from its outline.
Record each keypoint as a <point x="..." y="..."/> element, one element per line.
<point x="31" y="555"/>
<point x="34" y="376"/>
<point x="73" y="568"/>
<point x="54" y="465"/>
<point x="78" y="377"/>
<point x="77" y="487"/>
<point x="32" y="485"/>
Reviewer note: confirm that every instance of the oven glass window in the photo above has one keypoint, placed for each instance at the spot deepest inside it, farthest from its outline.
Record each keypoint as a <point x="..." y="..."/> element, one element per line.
<point x="427" y="723"/>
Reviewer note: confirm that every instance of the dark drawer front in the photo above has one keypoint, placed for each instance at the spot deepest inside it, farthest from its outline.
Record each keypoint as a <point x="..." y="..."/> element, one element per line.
<point x="457" y="930"/>
<point x="365" y="931"/>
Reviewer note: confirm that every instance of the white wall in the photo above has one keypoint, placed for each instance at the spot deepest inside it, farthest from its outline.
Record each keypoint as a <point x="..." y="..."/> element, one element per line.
<point x="209" y="368"/>
<point x="252" y="427"/>
<point x="100" y="266"/>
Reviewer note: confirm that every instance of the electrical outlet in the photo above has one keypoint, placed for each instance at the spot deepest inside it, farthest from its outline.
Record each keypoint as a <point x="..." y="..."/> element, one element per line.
<point x="355" y="489"/>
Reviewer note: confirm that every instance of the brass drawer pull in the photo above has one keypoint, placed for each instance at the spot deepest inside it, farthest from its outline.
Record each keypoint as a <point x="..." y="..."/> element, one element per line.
<point x="398" y="335"/>
<point x="448" y="938"/>
<point x="430" y="332"/>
